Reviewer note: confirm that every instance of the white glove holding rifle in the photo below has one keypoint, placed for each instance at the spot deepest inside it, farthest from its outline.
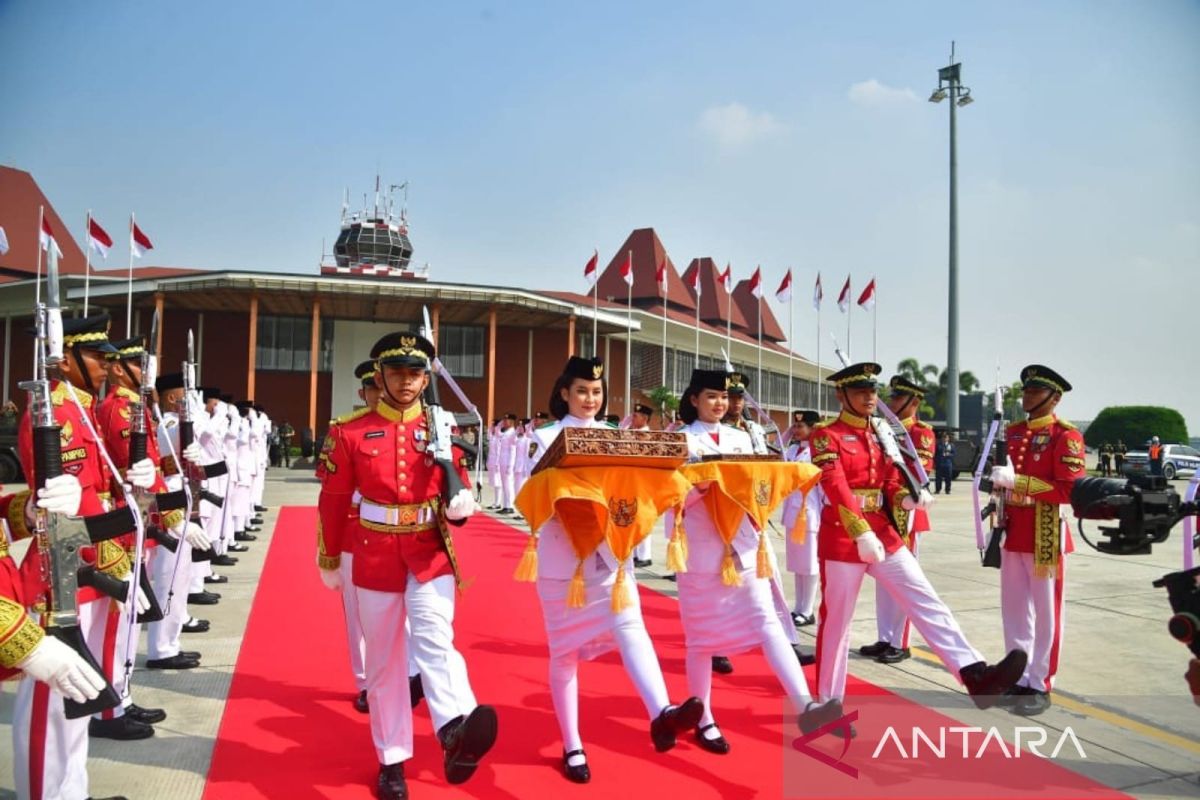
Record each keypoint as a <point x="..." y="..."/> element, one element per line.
<point x="64" y="670"/>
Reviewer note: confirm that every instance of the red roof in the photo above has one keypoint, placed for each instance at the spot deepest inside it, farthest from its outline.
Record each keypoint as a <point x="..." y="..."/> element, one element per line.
<point x="714" y="301"/>
<point x="749" y="306"/>
<point x="20" y="197"/>
<point x="648" y="252"/>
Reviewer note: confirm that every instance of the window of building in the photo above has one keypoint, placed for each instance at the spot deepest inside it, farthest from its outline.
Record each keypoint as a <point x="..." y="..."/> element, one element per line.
<point x="285" y="344"/>
<point x="461" y="349"/>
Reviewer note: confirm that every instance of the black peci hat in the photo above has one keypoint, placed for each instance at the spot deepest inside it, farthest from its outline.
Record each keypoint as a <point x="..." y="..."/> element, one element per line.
<point x="589" y="369"/>
<point x="856" y="376"/>
<point x="1038" y="375"/>
<point x="902" y="385"/>
<point x="808" y="417"/>
<point x="403" y="349"/>
<point x="642" y="408"/>
<point x="210" y="393"/>
<point x="172" y="380"/>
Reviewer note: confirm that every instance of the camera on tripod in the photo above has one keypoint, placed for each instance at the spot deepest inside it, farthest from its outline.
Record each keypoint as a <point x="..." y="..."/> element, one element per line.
<point x="1145" y="508"/>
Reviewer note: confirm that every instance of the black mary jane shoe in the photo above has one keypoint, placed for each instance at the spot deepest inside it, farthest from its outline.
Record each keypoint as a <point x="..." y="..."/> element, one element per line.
<point x="722" y="665"/>
<point x="579" y="773"/>
<point x="717" y="745"/>
<point x="674" y="720"/>
<point x="801" y="620"/>
<point x="360" y="703"/>
<point x="390" y="785"/>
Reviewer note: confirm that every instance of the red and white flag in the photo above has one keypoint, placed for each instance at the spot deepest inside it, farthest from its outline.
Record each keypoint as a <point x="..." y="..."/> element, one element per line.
<point x="139" y="243"/>
<point x="46" y="238"/>
<point x="844" y="297"/>
<point x="756" y="283"/>
<point x="818" y="295"/>
<point x="867" y="298"/>
<point x="98" y="239"/>
<point x="3" y="242"/>
<point x="695" y="281"/>
<point x="784" y="293"/>
<point x="627" y="269"/>
<point x="661" y="276"/>
<point x="726" y="278"/>
<point x="590" y="272"/>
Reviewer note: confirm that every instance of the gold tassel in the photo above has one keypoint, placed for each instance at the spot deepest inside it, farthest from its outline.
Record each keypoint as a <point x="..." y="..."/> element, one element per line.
<point x="620" y="597"/>
<point x="764" y="558"/>
<point x="677" y="547"/>
<point x="799" y="530"/>
<point x="576" y="592"/>
<point x="527" y="567"/>
<point x="729" y="573"/>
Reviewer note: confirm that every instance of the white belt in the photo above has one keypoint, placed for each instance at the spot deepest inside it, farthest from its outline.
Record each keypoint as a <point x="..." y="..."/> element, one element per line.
<point x="397" y="516"/>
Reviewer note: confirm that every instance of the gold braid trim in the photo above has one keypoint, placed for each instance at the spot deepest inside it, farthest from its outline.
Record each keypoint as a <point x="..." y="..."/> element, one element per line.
<point x="19" y="634"/>
<point x="325" y="561"/>
<point x="1028" y="484"/>
<point x="173" y="519"/>
<point x="854" y="524"/>
<point x="111" y="559"/>
<point x="900" y="514"/>
<point x="1045" y="539"/>
<point x="16" y="515"/>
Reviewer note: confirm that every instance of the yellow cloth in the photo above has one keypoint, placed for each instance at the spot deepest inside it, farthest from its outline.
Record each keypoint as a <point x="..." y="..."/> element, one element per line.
<point x="619" y="505"/>
<point x="755" y="488"/>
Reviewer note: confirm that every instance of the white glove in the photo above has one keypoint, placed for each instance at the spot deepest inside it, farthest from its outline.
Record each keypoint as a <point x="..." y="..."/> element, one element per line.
<point x="193" y="453"/>
<point x="870" y="549"/>
<point x="461" y="506"/>
<point x="923" y="501"/>
<point x="61" y="495"/>
<point x="332" y="578"/>
<point x="141" y="474"/>
<point x="53" y="663"/>
<point x="141" y="602"/>
<point x="1004" y="477"/>
<point x="194" y="535"/>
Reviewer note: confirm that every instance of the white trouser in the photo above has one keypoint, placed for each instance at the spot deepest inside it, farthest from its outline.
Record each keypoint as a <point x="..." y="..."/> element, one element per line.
<point x="1034" y="616"/>
<point x="171" y="586"/>
<point x="431" y="637"/>
<point x="260" y="485"/>
<point x="107" y="636"/>
<point x="904" y="580"/>
<point x="643" y="550"/>
<point x="49" y="751"/>
<point x="430" y="609"/>
<point x="497" y="480"/>
<point x="519" y="480"/>
<point x="890" y="619"/>
<point x="507" y="490"/>
<point x="354" y="633"/>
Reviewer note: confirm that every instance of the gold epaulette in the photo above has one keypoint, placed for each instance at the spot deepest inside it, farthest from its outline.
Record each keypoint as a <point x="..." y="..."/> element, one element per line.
<point x="824" y="423"/>
<point x="1062" y="423"/>
<point x="355" y="414"/>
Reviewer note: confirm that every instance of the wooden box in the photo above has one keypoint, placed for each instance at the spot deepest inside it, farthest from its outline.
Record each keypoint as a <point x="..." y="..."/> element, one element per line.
<point x="741" y="457"/>
<point x="603" y="447"/>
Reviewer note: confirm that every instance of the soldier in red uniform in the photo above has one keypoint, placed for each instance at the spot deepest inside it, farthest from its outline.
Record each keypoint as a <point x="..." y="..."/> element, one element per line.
<point x="404" y="564"/>
<point x="1046" y="457"/>
<point x="857" y="538"/>
<point x="904" y="399"/>
<point x="50" y="751"/>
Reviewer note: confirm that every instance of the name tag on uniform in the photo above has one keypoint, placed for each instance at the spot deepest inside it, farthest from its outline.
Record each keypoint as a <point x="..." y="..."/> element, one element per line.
<point x="849" y="437"/>
<point x="373" y="435"/>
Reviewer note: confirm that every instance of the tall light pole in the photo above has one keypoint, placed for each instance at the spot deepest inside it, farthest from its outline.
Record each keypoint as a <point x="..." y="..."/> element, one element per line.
<point x="950" y="85"/>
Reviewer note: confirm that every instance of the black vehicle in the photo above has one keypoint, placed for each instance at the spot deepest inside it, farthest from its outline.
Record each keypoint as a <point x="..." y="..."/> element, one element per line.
<point x="966" y="449"/>
<point x="10" y="464"/>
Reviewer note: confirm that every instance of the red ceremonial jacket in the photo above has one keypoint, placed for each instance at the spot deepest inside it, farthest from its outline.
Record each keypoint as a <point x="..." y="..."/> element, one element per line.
<point x="1048" y="457"/>
<point x="382" y="454"/>
<point x="859" y="482"/>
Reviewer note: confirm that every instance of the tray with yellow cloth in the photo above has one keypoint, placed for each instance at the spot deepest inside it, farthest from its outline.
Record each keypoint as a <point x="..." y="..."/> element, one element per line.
<point x="736" y="486"/>
<point x="607" y="447"/>
<point x="614" y="497"/>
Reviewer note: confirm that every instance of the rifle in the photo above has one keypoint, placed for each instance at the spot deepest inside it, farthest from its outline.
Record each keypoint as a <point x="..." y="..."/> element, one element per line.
<point x="138" y="431"/>
<point x="989" y="554"/>
<point x="58" y="538"/>
<point x="441" y="442"/>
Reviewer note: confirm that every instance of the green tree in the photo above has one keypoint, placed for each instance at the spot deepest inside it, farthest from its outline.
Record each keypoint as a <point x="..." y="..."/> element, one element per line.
<point x="1136" y="424"/>
<point x="664" y="400"/>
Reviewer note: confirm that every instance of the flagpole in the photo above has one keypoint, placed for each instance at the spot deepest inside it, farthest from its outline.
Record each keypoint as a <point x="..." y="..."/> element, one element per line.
<point x="820" y="387"/>
<point x="760" y="306"/>
<point x="87" y="260"/>
<point x="697" y="364"/>
<point x="129" y="294"/>
<point x="791" y="345"/>
<point x="595" y="313"/>
<point x="666" y="280"/>
<point x="37" y="292"/>
<point x="728" y="310"/>
<point x="849" y="314"/>
<point x="629" y="340"/>
<point x="874" y="322"/>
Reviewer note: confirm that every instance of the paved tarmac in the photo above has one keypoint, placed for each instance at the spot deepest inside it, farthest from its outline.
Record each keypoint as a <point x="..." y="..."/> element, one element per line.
<point x="1120" y="687"/>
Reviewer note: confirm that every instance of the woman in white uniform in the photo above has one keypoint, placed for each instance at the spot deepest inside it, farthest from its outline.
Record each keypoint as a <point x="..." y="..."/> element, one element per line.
<point x="720" y="618"/>
<point x="802" y="556"/>
<point x="577" y="401"/>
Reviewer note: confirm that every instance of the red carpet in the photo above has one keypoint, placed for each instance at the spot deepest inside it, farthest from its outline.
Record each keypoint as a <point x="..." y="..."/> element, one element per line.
<point x="289" y="730"/>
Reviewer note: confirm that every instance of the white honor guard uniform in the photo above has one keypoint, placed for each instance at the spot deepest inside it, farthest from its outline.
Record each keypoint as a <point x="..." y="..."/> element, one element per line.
<point x="259" y="431"/>
<point x="507" y="458"/>
<point x="585" y="633"/>
<point x="243" y="476"/>
<point x="493" y="466"/>
<point x="170" y="573"/>
<point x="802" y="556"/>
<point x="522" y="462"/>
<point x="726" y="620"/>
<point x="210" y="431"/>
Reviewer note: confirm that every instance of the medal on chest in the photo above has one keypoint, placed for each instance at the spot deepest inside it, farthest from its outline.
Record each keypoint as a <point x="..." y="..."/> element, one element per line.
<point x="420" y="440"/>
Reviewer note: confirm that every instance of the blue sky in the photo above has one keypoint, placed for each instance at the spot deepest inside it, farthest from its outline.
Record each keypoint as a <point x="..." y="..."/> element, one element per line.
<point x="783" y="134"/>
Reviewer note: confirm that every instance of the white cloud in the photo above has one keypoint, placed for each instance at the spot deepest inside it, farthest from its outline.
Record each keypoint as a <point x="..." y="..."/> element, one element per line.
<point x="873" y="94"/>
<point x="734" y="125"/>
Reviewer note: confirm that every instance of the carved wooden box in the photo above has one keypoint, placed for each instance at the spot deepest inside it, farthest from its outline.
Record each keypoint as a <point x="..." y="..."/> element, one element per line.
<point x="603" y="447"/>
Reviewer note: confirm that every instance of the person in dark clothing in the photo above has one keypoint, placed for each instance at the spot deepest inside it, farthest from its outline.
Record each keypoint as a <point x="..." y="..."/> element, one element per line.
<point x="1119" y="457"/>
<point x="1156" y="457"/>
<point x="943" y="464"/>
<point x="1106" y="454"/>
